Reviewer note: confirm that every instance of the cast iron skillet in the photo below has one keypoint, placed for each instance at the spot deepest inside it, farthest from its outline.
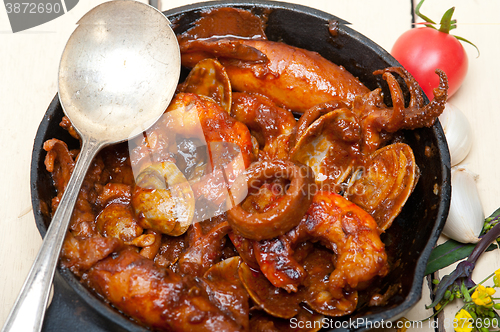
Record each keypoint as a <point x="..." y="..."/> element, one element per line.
<point x="409" y="240"/>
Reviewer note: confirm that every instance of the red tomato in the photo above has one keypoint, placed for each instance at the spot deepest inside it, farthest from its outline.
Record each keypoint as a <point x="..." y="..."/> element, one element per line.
<point x="423" y="50"/>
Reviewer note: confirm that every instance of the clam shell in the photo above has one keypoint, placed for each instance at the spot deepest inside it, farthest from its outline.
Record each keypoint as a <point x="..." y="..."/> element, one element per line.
<point x="327" y="148"/>
<point x="209" y="78"/>
<point x="275" y="301"/>
<point x="386" y="182"/>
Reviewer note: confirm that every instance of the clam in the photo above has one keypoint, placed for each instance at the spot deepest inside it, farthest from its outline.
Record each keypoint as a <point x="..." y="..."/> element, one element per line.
<point x="329" y="147"/>
<point x="117" y="220"/>
<point x="314" y="113"/>
<point x="226" y="270"/>
<point x="382" y="187"/>
<point x="226" y="290"/>
<point x="275" y="301"/>
<point x="209" y="78"/>
<point x="164" y="199"/>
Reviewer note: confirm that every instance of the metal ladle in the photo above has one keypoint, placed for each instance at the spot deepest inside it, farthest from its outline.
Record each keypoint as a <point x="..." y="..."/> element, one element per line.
<point x="117" y="75"/>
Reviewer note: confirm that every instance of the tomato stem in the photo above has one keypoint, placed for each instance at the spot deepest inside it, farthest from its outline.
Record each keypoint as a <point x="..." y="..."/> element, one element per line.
<point x="446" y="23"/>
<point x="422" y="16"/>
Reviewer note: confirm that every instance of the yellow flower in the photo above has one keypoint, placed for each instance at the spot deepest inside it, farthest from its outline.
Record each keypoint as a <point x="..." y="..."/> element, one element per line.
<point x="482" y="296"/>
<point x="496" y="278"/>
<point x="462" y="321"/>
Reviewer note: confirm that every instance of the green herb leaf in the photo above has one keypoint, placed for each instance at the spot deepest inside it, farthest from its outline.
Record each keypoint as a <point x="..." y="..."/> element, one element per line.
<point x="465" y="292"/>
<point x="452" y="251"/>
<point x="448" y="253"/>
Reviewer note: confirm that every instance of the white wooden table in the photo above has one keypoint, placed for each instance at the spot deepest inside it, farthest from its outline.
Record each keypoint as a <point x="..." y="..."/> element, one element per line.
<point x="28" y="67"/>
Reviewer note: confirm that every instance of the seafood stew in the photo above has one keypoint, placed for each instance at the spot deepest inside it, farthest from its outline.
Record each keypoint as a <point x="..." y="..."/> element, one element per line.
<point x="403" y="236"/>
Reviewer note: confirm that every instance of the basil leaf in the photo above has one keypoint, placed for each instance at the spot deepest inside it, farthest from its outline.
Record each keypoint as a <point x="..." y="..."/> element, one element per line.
<point x="452" y="251"/>
<point x="448" y="253"/>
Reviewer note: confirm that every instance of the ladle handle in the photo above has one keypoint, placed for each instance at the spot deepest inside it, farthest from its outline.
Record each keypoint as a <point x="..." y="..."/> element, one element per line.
<point x="29" y="309"/>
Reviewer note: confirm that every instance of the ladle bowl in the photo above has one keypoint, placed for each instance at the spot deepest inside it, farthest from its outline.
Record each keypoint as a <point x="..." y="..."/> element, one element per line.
<point x="119" y="70"/>
<point x="117" y="75"/>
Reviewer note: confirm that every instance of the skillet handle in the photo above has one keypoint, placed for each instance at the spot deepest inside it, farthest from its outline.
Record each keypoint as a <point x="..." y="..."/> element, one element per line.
<point x="29" y="309"/>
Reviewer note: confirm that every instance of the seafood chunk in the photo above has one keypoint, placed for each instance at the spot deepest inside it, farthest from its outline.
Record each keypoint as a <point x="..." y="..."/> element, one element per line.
<point x="387" y="181"/>
<point x="330" y="146"/>
<point x="416" y="115"/>
<point x="319" y="265"/>
<point x="163" y="199"/>
<point x="118" y="220"/>
<point x="209" y="78"/>
<point x="293" y="78"/>
<point x="313" y="114"/>
<point x="114" y="193"/>
<point x="353" y="235"/>
<point x="204" y="252"/>
<point x="190" y="117"/>
<point x="152" y="245"/>
<point x="222" y="21"/>
<point x="285" y="212"/>
<point x="210" y="146"/>
<point x="275" y="301"/>
<point x="350" y="233"/>
<point x="277" y="262"/>
<point x="157" y="297"/>
<point x="245" y="248"/>
<point x="226" y="290"/>
<point x="314" y="79"/>
<point x="80" y="254"/>
<point x="379" y="121"/>
<point x="271" y="125"/>
<point x="170" y="250"/>
<point x="60" y="162"/>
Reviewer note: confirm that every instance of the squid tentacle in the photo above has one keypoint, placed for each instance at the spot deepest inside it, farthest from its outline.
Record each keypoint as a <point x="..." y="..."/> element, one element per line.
<point x="416" y="114"/>
<point x="398" y="103"/>
<point x="427" y="115"/>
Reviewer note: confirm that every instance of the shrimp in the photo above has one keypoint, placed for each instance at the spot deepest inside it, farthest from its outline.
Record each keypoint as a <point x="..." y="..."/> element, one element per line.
<point x="353" y="235"/>
<point x="350" y="233"/>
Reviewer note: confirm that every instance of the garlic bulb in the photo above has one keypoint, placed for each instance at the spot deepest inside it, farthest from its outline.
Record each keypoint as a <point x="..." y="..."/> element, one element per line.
<point x="466" y="217"/>
<point x="458" y="133"/>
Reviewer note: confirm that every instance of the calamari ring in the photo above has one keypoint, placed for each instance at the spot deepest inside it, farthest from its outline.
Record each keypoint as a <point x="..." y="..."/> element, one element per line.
<point x="286" y="212"/>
